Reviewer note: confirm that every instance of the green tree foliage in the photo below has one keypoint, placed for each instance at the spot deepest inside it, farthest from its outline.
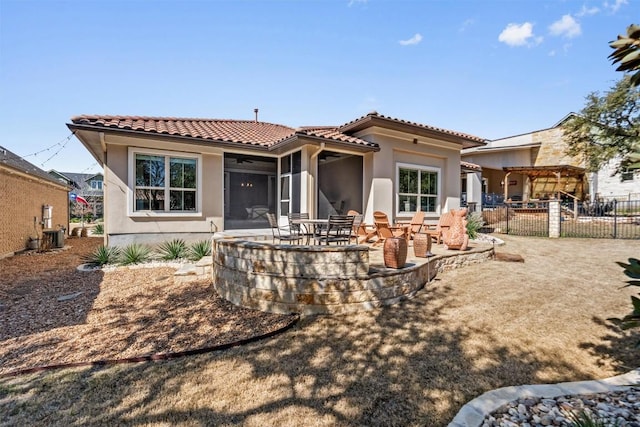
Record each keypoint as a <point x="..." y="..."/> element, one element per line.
<point x="608" y="126"/>
<point x="627" y="53"/>
<point x="631" y="320"/>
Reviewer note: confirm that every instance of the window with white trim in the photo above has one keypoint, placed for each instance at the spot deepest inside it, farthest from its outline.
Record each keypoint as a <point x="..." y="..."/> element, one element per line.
<point x="418" y="188"/>
<point x="165" y="183"/>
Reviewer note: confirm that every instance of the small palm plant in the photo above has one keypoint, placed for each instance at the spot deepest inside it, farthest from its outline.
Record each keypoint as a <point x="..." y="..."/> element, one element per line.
<point x="174" y="249"/>
<point x="135" y="253"/>
<point x="103" y="255"/>
<point x="200" y="249"/>
<point x="631" y="320"/>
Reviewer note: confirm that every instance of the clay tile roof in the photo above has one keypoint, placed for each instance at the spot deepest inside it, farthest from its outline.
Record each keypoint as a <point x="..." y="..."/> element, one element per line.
<point x="332" y="133"/>
<point x="470" y="166"/>
<point x="240" y="131"/>
<point x="376" y="115"/>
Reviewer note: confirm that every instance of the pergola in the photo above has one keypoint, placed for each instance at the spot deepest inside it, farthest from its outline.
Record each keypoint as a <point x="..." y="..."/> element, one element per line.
<point x="534" y="172"/>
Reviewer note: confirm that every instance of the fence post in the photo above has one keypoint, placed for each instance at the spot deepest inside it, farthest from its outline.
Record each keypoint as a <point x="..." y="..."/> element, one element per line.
<point x="554" y="218"/>
<point x="507" y="209"/>
<point x="615" y="218"/>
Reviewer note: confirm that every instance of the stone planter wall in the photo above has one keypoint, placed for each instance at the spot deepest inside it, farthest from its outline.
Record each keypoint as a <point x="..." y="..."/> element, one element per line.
<point x="309" y="279"/>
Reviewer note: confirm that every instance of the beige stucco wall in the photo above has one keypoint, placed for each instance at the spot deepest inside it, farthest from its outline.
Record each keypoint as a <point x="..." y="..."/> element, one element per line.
<point x="120" y="227"/>
<point x="396" y="147"/>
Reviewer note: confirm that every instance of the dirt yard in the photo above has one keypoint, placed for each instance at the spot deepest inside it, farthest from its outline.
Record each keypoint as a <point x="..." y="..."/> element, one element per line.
<point x="471" y="330"/>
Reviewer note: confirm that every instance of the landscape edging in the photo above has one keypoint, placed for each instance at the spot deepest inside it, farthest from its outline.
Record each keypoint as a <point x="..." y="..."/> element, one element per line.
<point x="475" y="411"/>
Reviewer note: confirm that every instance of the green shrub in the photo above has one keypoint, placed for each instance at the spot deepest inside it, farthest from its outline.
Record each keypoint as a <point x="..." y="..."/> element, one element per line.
<point x="632" y="320"/>
<point x="200" y="249"/>
<point x="586" y="419"/>
<point x="174" y="249"/>
<point x="104" y="255"/>
<point x="135" y="253"/>
<point x="98" y="230"/>
<point x="474" y="223"/>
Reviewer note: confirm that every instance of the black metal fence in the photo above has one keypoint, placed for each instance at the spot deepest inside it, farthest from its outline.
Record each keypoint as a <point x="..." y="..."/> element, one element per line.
<point x="606" y="220"/>
<point x="611" y="219"/>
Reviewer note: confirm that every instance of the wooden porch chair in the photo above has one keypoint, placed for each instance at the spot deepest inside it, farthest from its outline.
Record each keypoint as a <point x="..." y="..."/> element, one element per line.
<point x="362" y="232"/>
<point x="385" y="230"/>
<point x="415" y="225"/>
<point x="445" y="221"/>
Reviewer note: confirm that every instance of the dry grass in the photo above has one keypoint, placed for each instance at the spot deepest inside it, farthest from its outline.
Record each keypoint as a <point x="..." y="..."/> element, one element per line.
<point x="472" y="330"/>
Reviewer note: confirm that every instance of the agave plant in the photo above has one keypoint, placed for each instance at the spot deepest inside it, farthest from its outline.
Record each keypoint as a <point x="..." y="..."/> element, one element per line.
<point x="104" y="255"/>
<point x="632" y="320"/>
<point x="98" y="230"/>
<point x="174" y="249"/>
<point x="474" y="224"/>
<point x="586" y="419"/>
<point x="200" y="250"/>
<point x="135" y="253"/>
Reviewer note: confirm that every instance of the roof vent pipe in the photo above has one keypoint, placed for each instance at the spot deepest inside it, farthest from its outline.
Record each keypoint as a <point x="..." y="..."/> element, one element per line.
<point x="255" y="110"/>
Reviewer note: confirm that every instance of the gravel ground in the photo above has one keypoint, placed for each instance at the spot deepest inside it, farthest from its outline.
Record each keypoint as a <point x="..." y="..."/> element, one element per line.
<point x="54" y="314"/>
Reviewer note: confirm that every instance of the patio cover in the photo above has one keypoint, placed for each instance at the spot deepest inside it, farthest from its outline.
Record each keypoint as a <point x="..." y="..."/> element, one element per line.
<point x="533" y="172"/>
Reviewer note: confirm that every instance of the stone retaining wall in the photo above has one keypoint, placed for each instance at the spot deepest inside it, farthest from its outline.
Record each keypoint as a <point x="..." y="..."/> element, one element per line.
<point x="319" y="279"/>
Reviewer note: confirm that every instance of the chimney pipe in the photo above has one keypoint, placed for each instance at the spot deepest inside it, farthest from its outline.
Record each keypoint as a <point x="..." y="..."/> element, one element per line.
<point x="255" y="110"/>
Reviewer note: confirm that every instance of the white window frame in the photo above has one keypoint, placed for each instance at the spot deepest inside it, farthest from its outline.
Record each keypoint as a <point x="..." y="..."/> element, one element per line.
<point x="425" y="168"/>
<point x="166" y="213"/>
<point x="96" y="184"/>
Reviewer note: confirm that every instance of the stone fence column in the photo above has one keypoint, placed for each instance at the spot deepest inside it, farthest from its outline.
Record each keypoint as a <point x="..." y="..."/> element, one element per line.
<point x="554" y="218"/>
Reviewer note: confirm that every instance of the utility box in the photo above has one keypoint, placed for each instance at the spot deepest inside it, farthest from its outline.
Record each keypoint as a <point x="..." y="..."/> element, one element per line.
<point x="53" y="238"/>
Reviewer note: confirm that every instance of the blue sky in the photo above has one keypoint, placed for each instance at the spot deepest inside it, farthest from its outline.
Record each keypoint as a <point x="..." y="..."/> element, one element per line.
<point x="488" y="68"/>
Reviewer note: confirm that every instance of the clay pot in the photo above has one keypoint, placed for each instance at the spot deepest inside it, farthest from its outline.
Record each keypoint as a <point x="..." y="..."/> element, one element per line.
<point x="395" y="252"/>
<point x="422" y="245"/>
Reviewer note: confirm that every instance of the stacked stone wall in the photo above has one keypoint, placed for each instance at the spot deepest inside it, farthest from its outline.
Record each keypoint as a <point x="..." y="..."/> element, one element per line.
<point x="318" y="279"/>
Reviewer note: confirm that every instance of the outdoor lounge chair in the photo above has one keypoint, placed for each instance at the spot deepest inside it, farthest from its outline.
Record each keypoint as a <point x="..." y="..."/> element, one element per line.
<point x="445" y="221"/>
<point x="362" y="233"/>
<point x="385" y="230"/>
<point x="282" y="234"/>
<point x="415" y="225"/>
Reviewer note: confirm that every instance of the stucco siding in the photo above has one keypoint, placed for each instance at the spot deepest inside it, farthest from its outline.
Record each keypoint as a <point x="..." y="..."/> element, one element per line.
<point x="120" y="224"/>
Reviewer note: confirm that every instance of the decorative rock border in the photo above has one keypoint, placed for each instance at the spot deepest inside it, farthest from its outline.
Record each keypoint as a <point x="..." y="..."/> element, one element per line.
<point x="473" y="413"/>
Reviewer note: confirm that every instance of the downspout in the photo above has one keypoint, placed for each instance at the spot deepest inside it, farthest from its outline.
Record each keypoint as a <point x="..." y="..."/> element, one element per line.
<point x="105" y="231"/>
<point x="314" y="184"/>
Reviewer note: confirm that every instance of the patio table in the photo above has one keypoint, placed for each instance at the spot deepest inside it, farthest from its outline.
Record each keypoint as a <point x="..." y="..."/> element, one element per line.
<point x="310" y="225"/>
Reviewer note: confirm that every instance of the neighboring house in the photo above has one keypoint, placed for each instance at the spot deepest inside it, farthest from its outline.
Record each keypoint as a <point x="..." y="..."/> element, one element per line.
<point x="169" y="177"/>
<point x="87" y="185"/>
<point x="30" y="202"/>
<point x="535" y="166"/>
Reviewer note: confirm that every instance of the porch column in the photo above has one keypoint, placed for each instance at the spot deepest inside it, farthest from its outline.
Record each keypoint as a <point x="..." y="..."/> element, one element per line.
<point x="505" y="183"/>
<point x="474" y="189"/>
<point x="527" y="188"/>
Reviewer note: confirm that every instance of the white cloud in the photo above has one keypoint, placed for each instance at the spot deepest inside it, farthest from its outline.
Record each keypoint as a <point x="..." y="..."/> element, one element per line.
<point x="566" y="27"/>
<point x="552" y="53"/>
<point x="466" y="24"/>
<point x="616" y="5"/>
<point x="417" y="38"/>
<point x="588" y="11"/>
<point x="519" y="35"/>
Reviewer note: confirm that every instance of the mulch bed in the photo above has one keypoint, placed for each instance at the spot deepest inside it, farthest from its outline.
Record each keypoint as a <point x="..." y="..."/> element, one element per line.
<point x="53" y="314"/>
